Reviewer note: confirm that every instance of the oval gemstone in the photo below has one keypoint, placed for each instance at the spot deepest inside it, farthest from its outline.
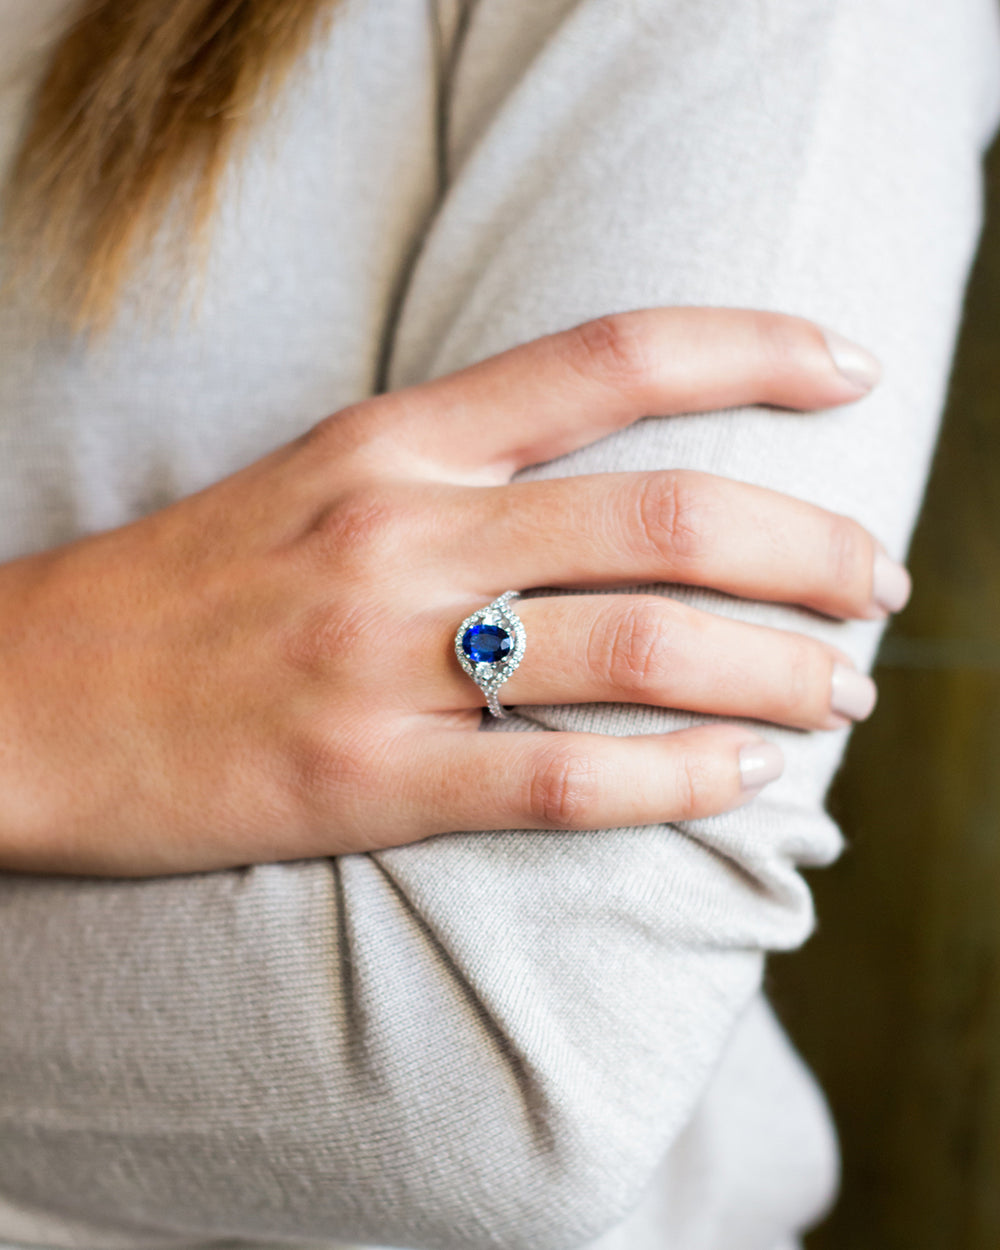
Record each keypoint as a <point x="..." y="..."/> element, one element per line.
<point x="486" y="644"/>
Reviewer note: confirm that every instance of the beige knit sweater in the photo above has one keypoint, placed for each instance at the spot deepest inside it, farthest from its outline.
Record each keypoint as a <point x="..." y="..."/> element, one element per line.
<point x="513" y="1040"/>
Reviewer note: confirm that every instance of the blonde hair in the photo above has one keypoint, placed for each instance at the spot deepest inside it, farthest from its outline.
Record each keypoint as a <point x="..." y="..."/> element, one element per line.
<point x="137" y="112"/>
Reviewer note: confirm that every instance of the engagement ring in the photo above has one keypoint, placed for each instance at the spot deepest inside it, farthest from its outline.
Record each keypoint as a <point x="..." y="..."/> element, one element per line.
<point x="490" y="645"/>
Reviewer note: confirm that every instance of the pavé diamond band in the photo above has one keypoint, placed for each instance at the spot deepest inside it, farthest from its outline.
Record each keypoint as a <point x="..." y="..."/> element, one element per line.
<point x="490" y="645"/>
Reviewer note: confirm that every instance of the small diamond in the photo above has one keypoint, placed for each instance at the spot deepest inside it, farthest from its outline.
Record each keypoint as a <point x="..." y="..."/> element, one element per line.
<point x="486" y="644"/>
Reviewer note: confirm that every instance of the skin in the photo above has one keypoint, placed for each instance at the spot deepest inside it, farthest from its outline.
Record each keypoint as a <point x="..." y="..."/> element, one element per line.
<point x="210" y="686"/>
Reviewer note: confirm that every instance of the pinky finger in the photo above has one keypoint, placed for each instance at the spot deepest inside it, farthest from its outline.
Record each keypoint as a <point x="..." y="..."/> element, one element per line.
<point x="587" y="781"/>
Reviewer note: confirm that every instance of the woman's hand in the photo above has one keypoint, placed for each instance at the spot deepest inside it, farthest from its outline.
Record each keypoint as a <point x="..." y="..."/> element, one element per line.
<point x="265" y="670"/>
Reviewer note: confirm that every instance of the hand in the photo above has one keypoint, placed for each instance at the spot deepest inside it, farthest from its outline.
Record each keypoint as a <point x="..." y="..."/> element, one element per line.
<point x="264" y="671"/>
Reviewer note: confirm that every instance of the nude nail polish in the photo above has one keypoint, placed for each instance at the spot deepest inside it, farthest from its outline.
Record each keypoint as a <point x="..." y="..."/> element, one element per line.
<point x="891" y="584"/>
<point x="853" y="361"/>
<point x="852" y="694"/>
<point x="760" y="762"/>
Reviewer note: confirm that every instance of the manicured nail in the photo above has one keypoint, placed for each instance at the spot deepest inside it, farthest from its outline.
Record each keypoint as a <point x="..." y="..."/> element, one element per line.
<point x="853" y="361"/>
<point x="891" y="584"/>
<point x="852" y="694"/>
<point x="760" y="762"/>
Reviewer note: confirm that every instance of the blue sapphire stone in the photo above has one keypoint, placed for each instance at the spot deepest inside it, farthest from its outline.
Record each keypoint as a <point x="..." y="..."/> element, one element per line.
<point x="486" y="644"/>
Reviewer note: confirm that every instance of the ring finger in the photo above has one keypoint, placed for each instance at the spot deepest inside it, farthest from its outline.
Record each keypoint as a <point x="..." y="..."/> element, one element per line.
<point x="646" y="649"/>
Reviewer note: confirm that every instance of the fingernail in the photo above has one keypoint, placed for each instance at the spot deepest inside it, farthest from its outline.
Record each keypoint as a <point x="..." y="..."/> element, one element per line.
<point x="760" y="762"/>
<point x="852" y="694"/>
<point x="853" y="361"/>
<point x="891" y="584"/>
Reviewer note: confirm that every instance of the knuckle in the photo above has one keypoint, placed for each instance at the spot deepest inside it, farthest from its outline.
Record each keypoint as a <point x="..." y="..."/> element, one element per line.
<point x="332" y="763"/>
<point x="849" y="556"/>
<point x="321" y="437"/>
<point x="362" y="526"/>
<point x="691" y="787"/>
<point x="614" y="348"/>
<point x="362" y="439"/>
<point x="669" y="515"/>
<point x="630" y="652"/>
<point x="781" y="340"/>
<point x="563" y="790"/>
<point x="339" y="433"/>
<point x="807" y="692"/>
<point x="325" y="635"/>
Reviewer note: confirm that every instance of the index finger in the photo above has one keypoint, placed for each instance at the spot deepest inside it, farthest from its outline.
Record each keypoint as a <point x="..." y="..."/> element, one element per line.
<point x="553" y="394"/>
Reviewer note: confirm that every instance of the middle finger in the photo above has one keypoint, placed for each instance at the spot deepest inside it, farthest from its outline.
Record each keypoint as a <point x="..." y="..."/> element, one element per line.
<point x="618" y="529"/>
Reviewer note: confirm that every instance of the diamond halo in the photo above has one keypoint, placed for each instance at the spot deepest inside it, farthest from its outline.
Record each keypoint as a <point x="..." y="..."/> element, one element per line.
<point x="490" y="645"/>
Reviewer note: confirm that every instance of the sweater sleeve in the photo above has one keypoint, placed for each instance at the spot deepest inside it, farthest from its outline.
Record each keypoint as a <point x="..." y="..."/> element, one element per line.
<point x="489" y="1040"/>
<point x="819" y="158"/>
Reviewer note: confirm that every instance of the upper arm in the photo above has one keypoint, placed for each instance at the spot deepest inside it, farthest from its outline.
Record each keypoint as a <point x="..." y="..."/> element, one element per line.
<point x="818" y="158"/>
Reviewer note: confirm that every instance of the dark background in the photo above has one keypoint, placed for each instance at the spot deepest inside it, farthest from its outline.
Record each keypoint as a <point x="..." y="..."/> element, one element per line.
<point x="895" y="1002"/>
